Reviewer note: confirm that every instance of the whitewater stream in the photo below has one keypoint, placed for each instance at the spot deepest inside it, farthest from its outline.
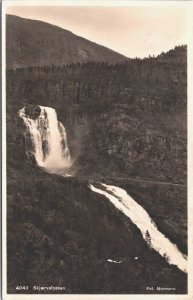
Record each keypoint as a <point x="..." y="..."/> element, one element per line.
<point x="154" y="238"/>
<point x="48" y="143"/>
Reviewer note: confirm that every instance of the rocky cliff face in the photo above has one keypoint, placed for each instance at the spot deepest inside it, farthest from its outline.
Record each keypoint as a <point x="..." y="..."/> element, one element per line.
<point x="34" y="43"/>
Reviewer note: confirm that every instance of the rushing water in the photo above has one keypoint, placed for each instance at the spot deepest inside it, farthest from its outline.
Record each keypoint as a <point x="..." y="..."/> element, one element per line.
<point x="142" y="220"/>
<point x="47" y="139"/>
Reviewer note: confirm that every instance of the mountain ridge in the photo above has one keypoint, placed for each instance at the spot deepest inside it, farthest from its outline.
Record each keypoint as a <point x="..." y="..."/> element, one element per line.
<point x="37" y="43"/>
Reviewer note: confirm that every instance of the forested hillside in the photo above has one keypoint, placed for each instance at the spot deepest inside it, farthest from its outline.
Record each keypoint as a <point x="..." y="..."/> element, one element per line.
<point x="125" y="120"/>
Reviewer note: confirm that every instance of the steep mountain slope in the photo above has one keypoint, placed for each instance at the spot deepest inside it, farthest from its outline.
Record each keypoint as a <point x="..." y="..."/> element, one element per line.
<point x="36" y="43"/>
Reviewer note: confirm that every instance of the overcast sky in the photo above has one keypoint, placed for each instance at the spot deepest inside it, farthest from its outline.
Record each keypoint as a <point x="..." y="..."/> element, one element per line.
<point x="132" y="31"/>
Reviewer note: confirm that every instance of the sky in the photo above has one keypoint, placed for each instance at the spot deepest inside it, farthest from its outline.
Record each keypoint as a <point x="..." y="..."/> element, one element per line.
<point x="134" y="31"/>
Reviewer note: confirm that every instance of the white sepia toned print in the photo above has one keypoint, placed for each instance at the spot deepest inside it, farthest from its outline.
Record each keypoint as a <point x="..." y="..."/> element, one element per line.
<point x="96" y="150"/>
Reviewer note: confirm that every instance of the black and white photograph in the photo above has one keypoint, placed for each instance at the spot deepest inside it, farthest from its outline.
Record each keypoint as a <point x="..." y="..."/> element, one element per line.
<point x="96" y="148"/>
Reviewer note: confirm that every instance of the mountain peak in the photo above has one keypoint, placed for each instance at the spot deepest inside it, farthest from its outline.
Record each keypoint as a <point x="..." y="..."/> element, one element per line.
<point x="37" y="43"/>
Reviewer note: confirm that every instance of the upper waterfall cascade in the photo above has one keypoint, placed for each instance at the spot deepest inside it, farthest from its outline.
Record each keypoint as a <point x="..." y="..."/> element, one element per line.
<point x="46" y="138"/>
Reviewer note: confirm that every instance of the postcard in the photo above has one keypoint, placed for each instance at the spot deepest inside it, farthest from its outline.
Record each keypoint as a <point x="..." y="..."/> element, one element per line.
<point x="97" y="146"/>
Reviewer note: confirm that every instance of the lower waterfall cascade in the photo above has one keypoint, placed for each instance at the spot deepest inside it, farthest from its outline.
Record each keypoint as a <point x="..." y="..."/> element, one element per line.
<point x="150" y="233"/>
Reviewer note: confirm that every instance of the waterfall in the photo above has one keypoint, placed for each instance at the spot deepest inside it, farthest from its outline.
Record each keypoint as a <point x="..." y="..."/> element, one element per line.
<point x="46" y="138"/>
<point x="150" y="233"/>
